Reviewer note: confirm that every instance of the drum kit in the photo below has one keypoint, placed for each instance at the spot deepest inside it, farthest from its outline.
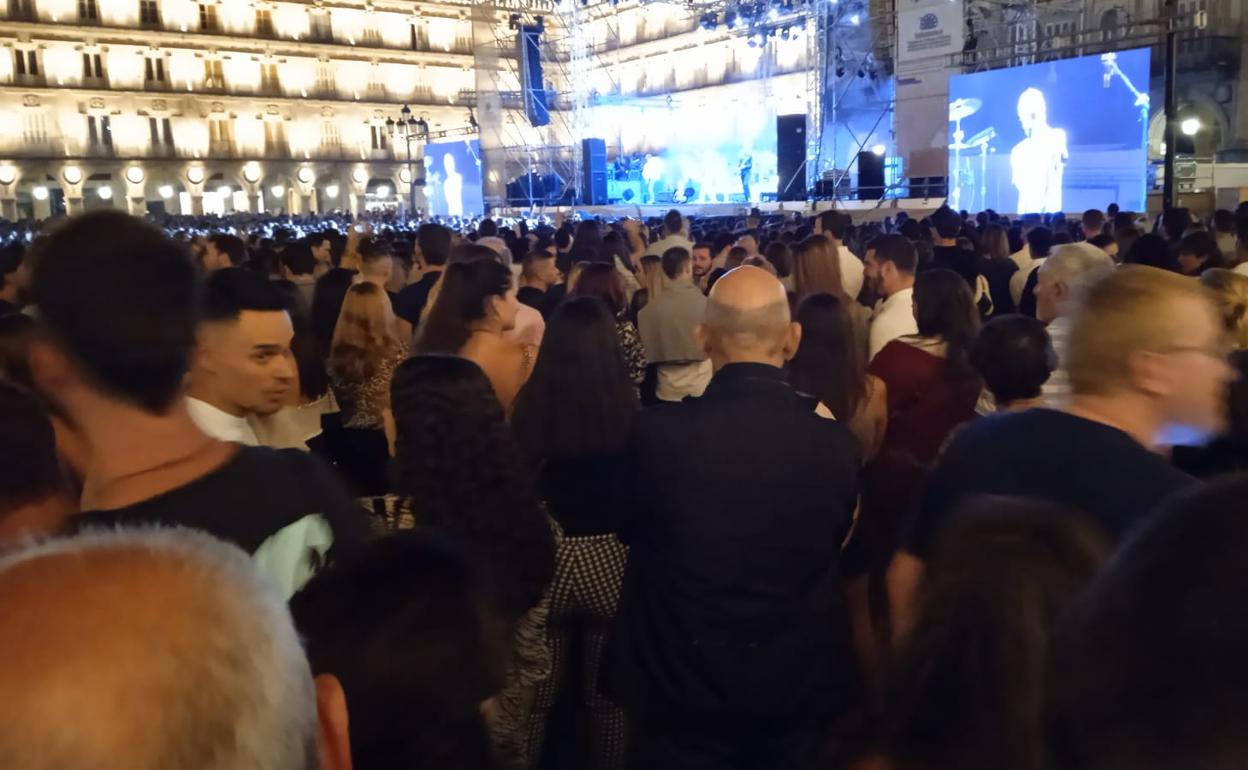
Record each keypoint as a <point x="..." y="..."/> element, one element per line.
<point x="962" y="172"/>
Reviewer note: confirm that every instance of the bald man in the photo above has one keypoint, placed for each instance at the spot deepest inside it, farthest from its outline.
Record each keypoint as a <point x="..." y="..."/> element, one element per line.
<point x="155" y="650"/>
<point x="733" y="644"/>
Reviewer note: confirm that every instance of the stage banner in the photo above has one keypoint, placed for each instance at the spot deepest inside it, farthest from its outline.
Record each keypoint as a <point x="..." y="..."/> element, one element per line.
<point x="928" y="29"/>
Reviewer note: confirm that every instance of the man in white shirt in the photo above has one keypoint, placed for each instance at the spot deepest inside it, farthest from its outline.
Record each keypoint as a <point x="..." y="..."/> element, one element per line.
<point x="673" y="236"/>
<point x="889" y="270"/>
<point x="242" y="365"/>
<point x="834" y="225"/>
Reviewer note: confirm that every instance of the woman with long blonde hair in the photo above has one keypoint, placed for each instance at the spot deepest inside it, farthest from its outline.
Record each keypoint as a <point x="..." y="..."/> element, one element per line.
<point x="363" y="356"/>
<point x="817" y="270"/>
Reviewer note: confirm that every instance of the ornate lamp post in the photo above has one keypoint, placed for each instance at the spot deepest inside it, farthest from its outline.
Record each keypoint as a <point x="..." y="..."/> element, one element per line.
<point x="409" y="129"/>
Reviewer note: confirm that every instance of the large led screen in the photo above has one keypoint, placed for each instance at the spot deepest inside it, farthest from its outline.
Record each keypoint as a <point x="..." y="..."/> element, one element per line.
<point x="1061" y="136"/>
<point x="453" y="178"/>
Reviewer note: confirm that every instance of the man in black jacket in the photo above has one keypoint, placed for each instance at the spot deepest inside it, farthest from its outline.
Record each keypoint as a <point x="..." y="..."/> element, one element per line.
<point x="733" y="642"/>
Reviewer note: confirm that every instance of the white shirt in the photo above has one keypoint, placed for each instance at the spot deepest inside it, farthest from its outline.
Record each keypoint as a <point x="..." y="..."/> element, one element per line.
<point x="851" y="271"/>
<point x="676" y="381"/>
<point x="894" y="317"/>
<point x="1022" y="257"/>
<point x="1018" y="281"/>
<point x="221" y="425"/>
<point x="671" y="241"/>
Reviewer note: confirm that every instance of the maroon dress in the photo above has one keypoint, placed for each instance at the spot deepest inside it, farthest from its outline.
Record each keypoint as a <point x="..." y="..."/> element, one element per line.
<point x="925" y="403"/>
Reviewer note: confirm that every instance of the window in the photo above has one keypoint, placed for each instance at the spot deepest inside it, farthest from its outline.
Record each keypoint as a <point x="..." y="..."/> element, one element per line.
<point x="214" y="74"/>
<point x="207" y="17"/>
<point x="88" y="10"/>
<point x="321" y="27"/>
<point x="378" y="136"/>
<point x="269" y="82"/>
<point x="99" y="131"/>
<point x="264" y="22"/>
<point x="221" y="136"/>
<point x="329" y="136"/>
<point x="92" y="66"/>
<point x="161" y="133"/>
<point x="275" y="138"/>
<point x="26" y="62"/>
<point x="325" y="81"/>
<point x="154" y="69"/>
<point x="149" y="13"/>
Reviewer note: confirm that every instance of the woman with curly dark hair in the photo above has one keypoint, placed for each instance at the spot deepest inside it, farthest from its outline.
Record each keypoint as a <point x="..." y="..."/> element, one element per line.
<point x="457" y="468"/>
<point x="602" y="280"/>
<point x="580" y="464"/>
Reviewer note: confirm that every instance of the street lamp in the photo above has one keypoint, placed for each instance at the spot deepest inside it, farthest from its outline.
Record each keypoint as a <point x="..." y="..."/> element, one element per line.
<point x="409" y="129"/>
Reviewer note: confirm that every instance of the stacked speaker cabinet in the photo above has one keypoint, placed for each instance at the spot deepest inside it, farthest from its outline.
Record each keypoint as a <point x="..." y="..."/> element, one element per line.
<point x="532" y="87"/>
<point x="594" y="172"/>
<point x="870" y="176"/>
<point x="791" y="157"/>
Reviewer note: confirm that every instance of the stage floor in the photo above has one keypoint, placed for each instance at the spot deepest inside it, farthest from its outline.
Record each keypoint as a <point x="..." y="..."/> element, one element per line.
<point x="861" y="211"/>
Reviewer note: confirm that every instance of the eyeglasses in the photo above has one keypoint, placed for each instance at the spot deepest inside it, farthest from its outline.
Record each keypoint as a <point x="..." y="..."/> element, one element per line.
<point x="1219" y="351"/>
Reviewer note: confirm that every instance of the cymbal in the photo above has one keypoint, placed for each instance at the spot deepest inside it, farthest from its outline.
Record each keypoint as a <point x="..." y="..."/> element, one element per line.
<point x="960" y="109"/>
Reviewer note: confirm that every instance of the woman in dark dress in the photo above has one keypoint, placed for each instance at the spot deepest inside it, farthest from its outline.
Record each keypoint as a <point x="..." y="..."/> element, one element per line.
<point x="572" y="420"/>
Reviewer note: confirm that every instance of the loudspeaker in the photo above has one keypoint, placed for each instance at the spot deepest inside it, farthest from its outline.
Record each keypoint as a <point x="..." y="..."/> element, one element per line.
<point x="594" y="172"/>
<point x="870" y="176"/>
<point x="532" y="87"/>
<point x="791" y="157"/>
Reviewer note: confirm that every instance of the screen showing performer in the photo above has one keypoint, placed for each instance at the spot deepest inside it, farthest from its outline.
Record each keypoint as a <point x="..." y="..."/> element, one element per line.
<point x="453" y="178"/>
<point x="1061" y="136"/>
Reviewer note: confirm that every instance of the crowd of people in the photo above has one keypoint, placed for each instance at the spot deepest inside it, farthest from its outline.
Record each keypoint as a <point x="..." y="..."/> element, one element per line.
<point x="775" y="492"/>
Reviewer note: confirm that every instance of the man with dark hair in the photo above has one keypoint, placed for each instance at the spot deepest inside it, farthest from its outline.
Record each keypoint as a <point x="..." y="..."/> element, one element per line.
<point x="1015" y="358"/>
<point x="889" y="271"/>
<point x="538" y="275"/>
<point x="321" y="247"/>
<point x="222" y="250"/>
<point x="243" y="365"/>
<point x="433" y="248"/>
<point x="666" y="325"/>
<point x="1148" y="669"/>
<point x="119" y="301"/>
<point x="673" y="235"/>
<point x="299" y="267"/>
<point x="1174" y="225"/>
<point x="834" y="225"/>
<point x="14" y="276"/>
<point x="733" y="645"/>
<point x="34" y="496"/>
<point x="1039" y="245"/>
<point x="487" y="229"/>
<point x="946" y="225"/>
<point x="1093" y="223"/>
<point x="700" y="255"/>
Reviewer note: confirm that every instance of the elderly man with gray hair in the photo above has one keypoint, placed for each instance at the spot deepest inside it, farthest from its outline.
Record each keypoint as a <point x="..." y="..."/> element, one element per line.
<point x="1070" y="265"/>
<point x="155" y="650"/>
<point x="733" y="641"/>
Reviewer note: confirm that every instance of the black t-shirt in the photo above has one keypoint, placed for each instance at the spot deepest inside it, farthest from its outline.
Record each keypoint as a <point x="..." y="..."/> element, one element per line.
<point x="7" y="307"/>
<point x="410" y="302"/>
<point x="962" y="261"/>
<point x="1046" y="455"/>
<point x="533" y="297"/>
<point x="256" y="494"/>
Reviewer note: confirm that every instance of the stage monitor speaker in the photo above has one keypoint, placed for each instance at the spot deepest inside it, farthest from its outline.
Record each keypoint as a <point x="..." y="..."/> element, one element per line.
<point x="870" y="176"/>
<point x="594" y="172"/>
<point x="532" y="87"/>
<point x="791" y="157"/>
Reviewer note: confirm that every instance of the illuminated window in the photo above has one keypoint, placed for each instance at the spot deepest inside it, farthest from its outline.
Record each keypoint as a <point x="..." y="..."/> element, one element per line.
<point x="92" y="66"/>
<point x="88" y="10"/>
<point x="322" y="30"/>
<point x="208" y="17"/>
<point x="269" y="82"/>
<point x="221" y="136"/>
<point x="275" y="139"/>
<point x="99" y="131"/>
<point x="379" y="137"/>
<point x="154" y="70"/>
<point x="26" y="63"/>
<point x="149" y="13"/>
<point x="161" y="131"/>
<point x="214" y="74"/>
<point x="264" y="22"/>
<point x="330" y="139"/>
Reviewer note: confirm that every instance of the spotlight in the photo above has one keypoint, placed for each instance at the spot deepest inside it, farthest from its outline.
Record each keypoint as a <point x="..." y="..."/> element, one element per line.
<point x="383" y="191"/>
<point x="223" y="191"/>
<point x="40" y="193"/>
<point x="854" y="20"/>
<point x="879" y="150"/>
<point x="773" y="14"/>
<point x="105" y="192"/>
<point x="277" y="190"/>
<point x="331" y="191"/>
<point x="1190" y="127"/>
<point x="166" y="191"/>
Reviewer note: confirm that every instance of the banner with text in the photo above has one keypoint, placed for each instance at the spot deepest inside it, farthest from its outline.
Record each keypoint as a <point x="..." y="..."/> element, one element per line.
<point x="928" y="29"/>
